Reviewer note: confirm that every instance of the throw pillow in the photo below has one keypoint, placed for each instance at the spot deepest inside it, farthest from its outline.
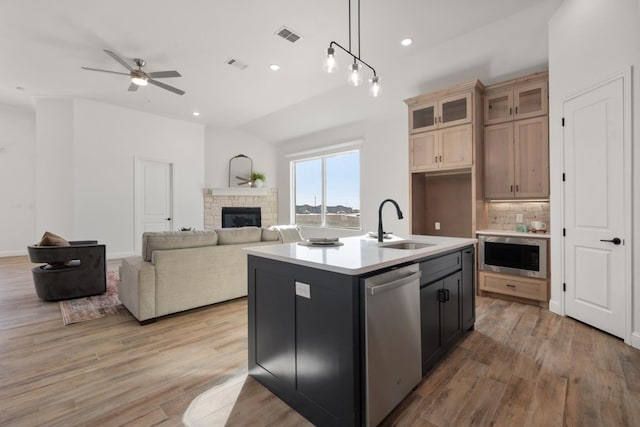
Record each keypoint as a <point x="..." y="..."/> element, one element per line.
<point x="51" y="239"/>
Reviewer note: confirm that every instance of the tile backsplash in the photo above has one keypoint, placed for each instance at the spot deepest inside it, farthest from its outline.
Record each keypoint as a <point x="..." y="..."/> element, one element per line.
<point x="502" y="215"/>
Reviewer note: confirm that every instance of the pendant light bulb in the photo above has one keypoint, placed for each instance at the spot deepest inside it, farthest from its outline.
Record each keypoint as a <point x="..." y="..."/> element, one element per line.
<point x="330" y="63"/>
<point x="355" y="76"/>
<point x="374" y="88"/>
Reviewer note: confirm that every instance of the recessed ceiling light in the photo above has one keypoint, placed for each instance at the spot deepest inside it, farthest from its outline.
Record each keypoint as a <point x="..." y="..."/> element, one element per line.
<point x="274" y="67"/>
<point x="195" y="113"/>
<point x="406" y="42"/>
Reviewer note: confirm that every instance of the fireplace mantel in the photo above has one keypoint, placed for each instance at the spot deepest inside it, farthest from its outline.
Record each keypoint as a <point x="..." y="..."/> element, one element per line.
<point x="236" y="191"/>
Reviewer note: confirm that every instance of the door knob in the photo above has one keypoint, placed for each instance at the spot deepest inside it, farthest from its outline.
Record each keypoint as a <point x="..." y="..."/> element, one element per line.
<point x="615" y="241"/>
<point x="168" y="219"/>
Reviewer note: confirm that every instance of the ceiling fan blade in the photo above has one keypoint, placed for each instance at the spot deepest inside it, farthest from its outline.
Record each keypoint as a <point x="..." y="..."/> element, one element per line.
<point x="104" y="71"/>
<point x="166" y="86"/>
<point x="133" y="87"/>
<point x="163" y="74"/>
<point x="120" y="60"/>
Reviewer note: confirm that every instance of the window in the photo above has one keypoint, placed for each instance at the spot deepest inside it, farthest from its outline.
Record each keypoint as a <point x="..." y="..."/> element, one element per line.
<point x="327" y="190"/>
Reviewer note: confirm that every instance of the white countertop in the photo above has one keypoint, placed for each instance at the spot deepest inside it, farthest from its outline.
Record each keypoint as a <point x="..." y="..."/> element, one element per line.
<point x="510" y="233"/>
<point x="359" y="254"/>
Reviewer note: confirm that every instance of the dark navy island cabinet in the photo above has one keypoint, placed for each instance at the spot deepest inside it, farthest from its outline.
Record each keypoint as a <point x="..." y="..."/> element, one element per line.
<point x="306" y="330"/>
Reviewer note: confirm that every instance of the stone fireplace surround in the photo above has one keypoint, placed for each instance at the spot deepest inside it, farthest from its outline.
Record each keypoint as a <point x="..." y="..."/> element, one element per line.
<point x="216" y="198"/>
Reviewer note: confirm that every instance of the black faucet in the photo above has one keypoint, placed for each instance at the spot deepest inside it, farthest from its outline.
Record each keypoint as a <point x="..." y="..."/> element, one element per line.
<point x="380" y="232"/>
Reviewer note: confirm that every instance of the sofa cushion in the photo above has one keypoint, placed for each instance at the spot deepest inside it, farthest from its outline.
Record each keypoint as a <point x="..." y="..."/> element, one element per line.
<point x="157" y="241"/>
<point x="288" y="233"/>
<point x="270" y="235"/>
<point x="234" y="236"/>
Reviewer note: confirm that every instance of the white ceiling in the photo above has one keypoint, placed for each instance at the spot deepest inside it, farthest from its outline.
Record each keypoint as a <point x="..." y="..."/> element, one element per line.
<point x="43" y="44"/>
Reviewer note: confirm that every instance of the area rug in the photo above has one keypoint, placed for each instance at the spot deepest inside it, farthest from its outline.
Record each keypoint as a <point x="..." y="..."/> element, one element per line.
<point x="95" y="307"/>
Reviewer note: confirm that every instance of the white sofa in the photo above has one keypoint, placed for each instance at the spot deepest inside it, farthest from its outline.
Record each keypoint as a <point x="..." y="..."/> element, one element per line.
<point x="187" y="269"/>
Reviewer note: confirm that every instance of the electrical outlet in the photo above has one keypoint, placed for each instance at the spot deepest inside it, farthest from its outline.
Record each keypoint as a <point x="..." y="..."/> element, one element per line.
<point x="519" y="218"/>
<point x="437" y="226"/>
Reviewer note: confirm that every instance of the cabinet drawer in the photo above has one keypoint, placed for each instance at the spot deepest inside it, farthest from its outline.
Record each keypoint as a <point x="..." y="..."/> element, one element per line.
<point x="437" y="268"/>
<point x="517" y="287"/>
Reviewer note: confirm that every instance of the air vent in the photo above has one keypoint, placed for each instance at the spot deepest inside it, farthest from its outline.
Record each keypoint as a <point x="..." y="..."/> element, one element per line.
<point x="237" y="64"/>
<point x="288" y="34"/>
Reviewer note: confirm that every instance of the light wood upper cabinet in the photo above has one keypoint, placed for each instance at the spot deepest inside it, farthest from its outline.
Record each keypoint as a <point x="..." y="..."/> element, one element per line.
<point x="455" y="147"/>
<point x="423" y="150"/>
<point x="531" y="139"/>
<point x="516" y="157"/>
<point x="499" y="168"/>
<point x="423" y="117"/>
<point x="520" y="102"/>
<point x="448" y="111"/>
<point x="498" y="107"/>
<point x="516" y="139"/>
<point x="448" y="148"/>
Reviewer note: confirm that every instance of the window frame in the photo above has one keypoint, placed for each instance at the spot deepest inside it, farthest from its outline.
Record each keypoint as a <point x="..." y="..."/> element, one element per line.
<point x="323" y="154"/>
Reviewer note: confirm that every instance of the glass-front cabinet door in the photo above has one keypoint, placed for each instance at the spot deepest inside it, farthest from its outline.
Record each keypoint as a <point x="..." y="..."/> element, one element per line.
<point x="498" y="107"/>
<point x="454" y="110"/>
<point x="530" y="100"/>
<point x="423" y="117"/>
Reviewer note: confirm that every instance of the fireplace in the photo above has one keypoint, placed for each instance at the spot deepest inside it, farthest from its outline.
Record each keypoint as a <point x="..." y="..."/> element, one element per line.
<point x="241" y="217"/>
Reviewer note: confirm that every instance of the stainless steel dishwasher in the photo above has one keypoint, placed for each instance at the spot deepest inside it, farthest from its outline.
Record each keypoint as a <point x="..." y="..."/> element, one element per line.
<point x="393" y="350"/>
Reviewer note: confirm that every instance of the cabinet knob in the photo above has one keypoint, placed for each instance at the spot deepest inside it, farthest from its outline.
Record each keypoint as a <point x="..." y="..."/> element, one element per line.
<point x="510" y="285"/>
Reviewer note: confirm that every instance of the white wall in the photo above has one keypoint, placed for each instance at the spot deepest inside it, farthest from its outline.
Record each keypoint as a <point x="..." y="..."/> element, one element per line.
<point x="84" y="165"/>
<point x="222" y="144"/>
<point x="54" y="172"/>
<point x="107" y="139"/>
<point x="590" y="40"/>
<point x="69" y="167"/>
<point x="17" y="178"/>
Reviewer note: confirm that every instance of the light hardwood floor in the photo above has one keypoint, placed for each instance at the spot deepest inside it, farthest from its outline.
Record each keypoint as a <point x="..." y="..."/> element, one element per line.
<point x="521" y="366"/>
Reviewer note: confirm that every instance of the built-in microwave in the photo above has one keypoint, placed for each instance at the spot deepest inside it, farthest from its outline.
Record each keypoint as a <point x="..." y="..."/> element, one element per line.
<point x="513" y="255"/>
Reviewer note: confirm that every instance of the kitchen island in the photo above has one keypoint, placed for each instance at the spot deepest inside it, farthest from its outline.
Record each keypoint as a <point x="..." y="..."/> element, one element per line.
<point x="311" y="336"/>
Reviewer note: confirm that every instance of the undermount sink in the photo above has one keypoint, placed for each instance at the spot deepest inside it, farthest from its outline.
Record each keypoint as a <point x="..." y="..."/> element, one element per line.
<point x="407" y="245"/>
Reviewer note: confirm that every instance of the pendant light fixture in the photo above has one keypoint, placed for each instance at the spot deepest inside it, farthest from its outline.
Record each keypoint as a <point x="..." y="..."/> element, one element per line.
<point x="354" y="76"/>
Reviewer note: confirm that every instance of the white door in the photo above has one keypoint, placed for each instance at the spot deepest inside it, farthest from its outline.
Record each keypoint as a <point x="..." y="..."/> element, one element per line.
<point x="595" y="210"/>
<point x="154" y="201"/>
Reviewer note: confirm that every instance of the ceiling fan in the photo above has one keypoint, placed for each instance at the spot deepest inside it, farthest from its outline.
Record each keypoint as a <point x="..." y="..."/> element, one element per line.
<point x="139" y="77"/>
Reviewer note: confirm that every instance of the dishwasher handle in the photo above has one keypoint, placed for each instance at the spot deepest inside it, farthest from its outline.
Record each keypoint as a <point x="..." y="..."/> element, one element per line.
<point x="395" y="284"/>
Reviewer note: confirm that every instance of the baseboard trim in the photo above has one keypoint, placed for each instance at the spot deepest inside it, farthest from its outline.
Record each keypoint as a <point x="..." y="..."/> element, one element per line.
<point x="635" y="340"/>
<point x="555" y="307"/>
<point x="22" y="252"/>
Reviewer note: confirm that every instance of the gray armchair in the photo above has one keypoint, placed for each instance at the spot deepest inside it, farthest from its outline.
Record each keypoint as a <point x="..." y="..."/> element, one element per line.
<point x="74" y="271"/>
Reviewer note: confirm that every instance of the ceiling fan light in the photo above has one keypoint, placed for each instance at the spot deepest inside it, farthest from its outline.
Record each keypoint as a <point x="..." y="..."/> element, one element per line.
<point x="330" y="64"/>
<point x="140" y="81"/>
<point x="406" y="42"/>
